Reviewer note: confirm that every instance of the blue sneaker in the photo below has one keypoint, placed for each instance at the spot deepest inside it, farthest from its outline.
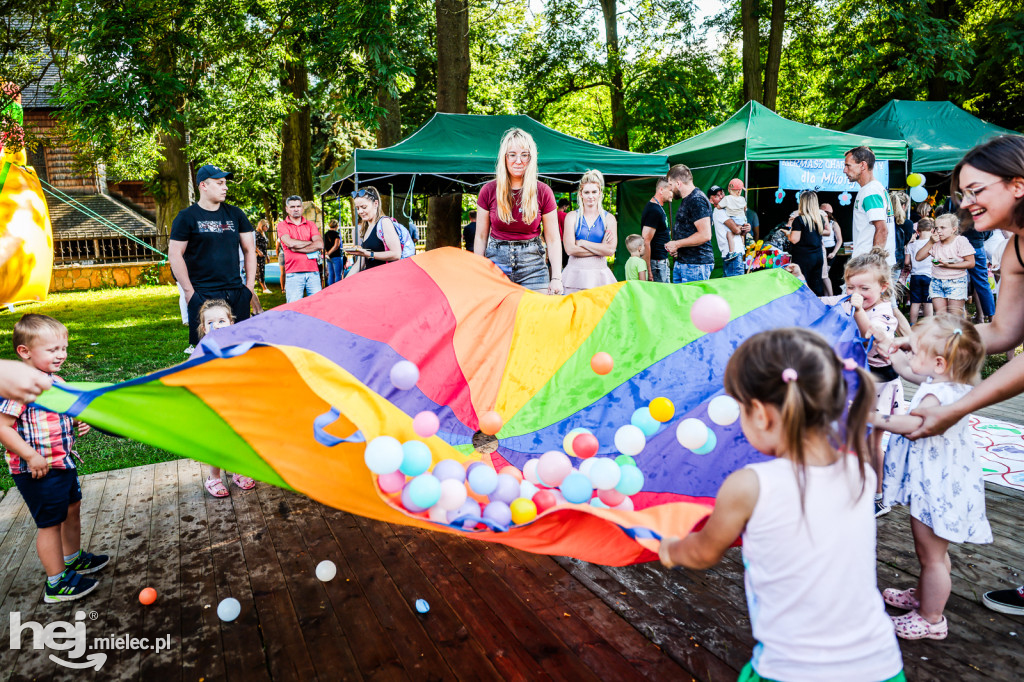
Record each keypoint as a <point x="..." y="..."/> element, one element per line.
<point x="87" y="562"/>
<point x="71" y="586"/>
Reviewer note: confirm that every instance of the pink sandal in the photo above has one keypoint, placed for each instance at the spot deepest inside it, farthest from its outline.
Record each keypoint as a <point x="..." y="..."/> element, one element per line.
<point x="243" y="482"/>
<point x="901" y="599"/>
<point x="215" y="487"/>
<point x="913" y="626"/>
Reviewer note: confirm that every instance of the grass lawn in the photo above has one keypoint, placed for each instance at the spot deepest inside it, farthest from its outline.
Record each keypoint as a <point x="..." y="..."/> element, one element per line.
<point x="114" y="335"/>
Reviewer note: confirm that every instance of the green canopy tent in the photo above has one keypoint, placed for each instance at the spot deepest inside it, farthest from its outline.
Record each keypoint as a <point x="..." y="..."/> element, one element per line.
<point x="748" y="146"/>
<point x="457" y="153"/>
<point x="939" y="133"/>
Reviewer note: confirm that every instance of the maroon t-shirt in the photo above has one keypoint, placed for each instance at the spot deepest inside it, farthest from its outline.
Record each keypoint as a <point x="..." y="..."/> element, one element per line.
<point x="517" y="230"/>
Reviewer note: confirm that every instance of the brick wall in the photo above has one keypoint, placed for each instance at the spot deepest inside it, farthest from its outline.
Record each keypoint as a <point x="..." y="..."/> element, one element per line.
<point x="73" y="278"/>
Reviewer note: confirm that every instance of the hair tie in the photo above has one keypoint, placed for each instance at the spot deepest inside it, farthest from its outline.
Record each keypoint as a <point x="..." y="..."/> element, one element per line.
<point x="958" y="331"/>
<point x="850" y="365"/>
<point x="788" y="375"/>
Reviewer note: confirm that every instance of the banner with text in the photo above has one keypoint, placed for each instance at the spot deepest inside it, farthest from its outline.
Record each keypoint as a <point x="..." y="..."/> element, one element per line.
<point x="824" y="175"/>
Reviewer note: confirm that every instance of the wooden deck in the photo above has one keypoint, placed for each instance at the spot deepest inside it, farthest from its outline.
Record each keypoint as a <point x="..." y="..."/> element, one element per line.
<point x="495" y="613"/>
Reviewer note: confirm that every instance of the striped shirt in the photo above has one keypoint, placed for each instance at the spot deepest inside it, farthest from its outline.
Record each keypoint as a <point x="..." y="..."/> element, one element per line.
<point x="51" y="435"/>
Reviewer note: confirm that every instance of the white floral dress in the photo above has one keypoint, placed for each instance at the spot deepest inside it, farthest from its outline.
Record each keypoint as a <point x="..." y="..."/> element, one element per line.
<point x="939" y="477"/>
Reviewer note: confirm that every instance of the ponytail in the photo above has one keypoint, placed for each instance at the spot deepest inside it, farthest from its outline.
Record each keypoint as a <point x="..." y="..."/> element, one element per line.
<point x="794" y="426"/>
<point x="857" y="416"/>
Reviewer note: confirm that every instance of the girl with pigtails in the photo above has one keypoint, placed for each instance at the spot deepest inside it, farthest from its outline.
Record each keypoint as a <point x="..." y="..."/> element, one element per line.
<point x="805" y="515"/>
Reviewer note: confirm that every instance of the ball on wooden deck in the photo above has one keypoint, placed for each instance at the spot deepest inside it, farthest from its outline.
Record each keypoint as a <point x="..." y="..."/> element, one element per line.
<point x="326" y="570"/>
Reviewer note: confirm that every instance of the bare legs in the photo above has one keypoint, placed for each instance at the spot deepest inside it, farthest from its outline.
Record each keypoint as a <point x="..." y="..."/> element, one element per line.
<point x="935" y="583"/>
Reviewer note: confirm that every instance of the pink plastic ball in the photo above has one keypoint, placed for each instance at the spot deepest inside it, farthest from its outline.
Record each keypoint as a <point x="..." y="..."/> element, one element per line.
<point x="611" y="497"/>
<point x="426" y="424"/>
<point x="553" y="467"/>
<point x="391" y="483"/>
<point x="710" y="313"/>
<point x="544" y="499"/>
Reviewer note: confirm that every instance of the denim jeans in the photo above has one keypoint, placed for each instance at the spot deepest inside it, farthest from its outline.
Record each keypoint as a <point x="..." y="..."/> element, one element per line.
<point x="979" y="280"/>
<point x="299" y="284"/>
<point x="685" y="272"/>
<point x="522" y="261"/>
<point x="659" y="270"/>
<point x="732" y="264"/>
<point x="334" y="267"/>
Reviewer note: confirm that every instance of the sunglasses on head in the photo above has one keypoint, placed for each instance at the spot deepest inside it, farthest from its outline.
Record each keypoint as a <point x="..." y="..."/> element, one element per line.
<point x="360" y="193"/>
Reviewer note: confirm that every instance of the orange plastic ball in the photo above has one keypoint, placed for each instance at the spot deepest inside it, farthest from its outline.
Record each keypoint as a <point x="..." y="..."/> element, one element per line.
<point x="602" y="363"/>
<point x="491" y="423"/>
<point x="147" y="596"/>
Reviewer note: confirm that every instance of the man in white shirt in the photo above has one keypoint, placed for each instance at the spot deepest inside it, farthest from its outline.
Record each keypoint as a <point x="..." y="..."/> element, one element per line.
<point x="728" y="234"/>
<point x="874" y="223"/>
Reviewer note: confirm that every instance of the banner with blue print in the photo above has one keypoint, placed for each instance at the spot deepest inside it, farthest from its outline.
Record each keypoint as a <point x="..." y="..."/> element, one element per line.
<point x="824" y="175"/>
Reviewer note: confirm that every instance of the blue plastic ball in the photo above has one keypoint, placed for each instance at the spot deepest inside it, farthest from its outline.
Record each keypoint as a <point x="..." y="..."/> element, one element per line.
<point x="709" y="446"/>
<point x="576" y="488"/>
<point x="424" y="491"/>
<point x="483" y="479"/>
<point x="506" y="489"/>
<point x="643" y="420"/>
<point x="631" y="480"/>
<point x="449" y="468"/>
<point x="416" y="458"/>
<point x="498" y="513"/>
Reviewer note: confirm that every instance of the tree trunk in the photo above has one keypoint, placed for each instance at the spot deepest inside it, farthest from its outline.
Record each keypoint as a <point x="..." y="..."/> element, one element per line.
<point x="172" y="178"/>
<point x="751" y="51"/>
<point x="620" y="120"/>
<point x="774" y="61"/>
<point x="389" y="133"/>
<point x="938" y="86"/>
<point x="444" y="214"/>
<point x="296" y="143"/>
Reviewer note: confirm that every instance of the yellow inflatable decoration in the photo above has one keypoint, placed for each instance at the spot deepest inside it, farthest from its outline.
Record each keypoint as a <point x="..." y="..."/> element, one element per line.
<point x="26" y="239"/>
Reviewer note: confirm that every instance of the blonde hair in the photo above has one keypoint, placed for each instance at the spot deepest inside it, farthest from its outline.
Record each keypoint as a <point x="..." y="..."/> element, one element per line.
<point x="529" y="206"/>
<point x="810" y="211"/>
<point x="924" y="209"/>
<point x="264" y="223"/>
<point x="592" y="177"/>
<point x="633" y="241"/>
<point x="33" y="326"/>
<point x="900" y="202"/>
<point x="373" y="195"/>
<point x="213" y="304"/>
<point x="955" y="340"/>
<point x="876" y="262"/>
<point x="949" y="220"/>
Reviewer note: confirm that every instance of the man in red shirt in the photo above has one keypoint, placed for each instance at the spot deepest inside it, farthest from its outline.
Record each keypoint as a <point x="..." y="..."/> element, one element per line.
<point x="301" y="243"/>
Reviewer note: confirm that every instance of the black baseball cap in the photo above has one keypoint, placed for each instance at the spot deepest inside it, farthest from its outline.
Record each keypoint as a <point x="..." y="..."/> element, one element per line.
<point x="210" y="171"/>
<point x="715" y="189"/>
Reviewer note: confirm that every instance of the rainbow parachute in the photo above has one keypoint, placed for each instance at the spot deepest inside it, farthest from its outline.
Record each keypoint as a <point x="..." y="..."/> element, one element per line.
<point x="291" y="396"/>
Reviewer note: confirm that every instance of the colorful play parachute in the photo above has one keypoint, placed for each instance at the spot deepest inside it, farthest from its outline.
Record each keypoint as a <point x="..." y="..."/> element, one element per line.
<point x="293" y="396"/>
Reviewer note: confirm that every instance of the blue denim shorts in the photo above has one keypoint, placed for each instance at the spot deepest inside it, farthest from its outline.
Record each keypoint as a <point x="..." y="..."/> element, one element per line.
<point x="952" y="289"/>
<point x="522" y="261"/>
<point x="686" y="272"/>
<point x="733" y="264"/>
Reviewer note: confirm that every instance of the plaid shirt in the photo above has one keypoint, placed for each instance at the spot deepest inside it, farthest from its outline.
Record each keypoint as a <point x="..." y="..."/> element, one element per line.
<point x="51" y="435"/>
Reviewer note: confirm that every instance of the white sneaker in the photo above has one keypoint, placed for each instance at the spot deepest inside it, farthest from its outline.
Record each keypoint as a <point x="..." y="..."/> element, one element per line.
<point x="190" y="350"/>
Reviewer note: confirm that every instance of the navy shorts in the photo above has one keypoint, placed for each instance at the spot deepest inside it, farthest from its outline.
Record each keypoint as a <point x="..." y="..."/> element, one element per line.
<point x="49" y="497"/>
<point x="919" y="288"/>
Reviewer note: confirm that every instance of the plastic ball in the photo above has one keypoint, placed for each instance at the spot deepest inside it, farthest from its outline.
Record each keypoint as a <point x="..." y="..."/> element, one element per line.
<point x="710" y="313"/>
<point x="625" y="505"/>
<point x="602" y="363"/>
<point x="426" y="424"/>
<point x="438" y="514"/>
<point x="631" y="481"/>
<point x="692" y="433"/>
<point x="147" y="596"/>
<point x="424" y="490"/>
<point x="918" y="193"/>
<point x="326" y="570"/>
<point x="530" y="471"/>
<point x="449" y="468"/>
<point x="585" y="445"/>
<point x="553" y="467"/>
<point x="623" y="460"/>
<point x="491" y="423"/>
<point x="422" y="606"/>
<point x="586" y="465"/>
<point x="596" y="502"/>
<point x="611" y="497"/>
<point x="483" y="480"/>
<point x="577" y="488"/>
<point x="512" y="471"/>
<point x="453" y="494"/>
<point x="605" y="474"/>
<point x="523" y="510"/>
<point x="527" y="490"/>
<point x="383" y="455"/>
<point x="662" y="409"/>
<point x="544" y="499"/>
<point x="643" y="420"/>
<point x="469" y="509"/>
<point x="416" y="458"/>
<point x="391" y="483"/>
<point x="498" y="513"/>
<point x="709" y="445"/>
<point x="570" y="437"/>
<point x="723" y="410"/>
<point x="506" y="490"/>
<point x="630" y="440"/>
<point x="404" y="375"/>
<point x="228" y="609"/>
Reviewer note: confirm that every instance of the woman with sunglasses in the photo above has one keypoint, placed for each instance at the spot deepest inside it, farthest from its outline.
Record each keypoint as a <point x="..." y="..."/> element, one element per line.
<point x="380" y="241"/>
<point x="989" y="184"/>
<point x="516" y="209"/>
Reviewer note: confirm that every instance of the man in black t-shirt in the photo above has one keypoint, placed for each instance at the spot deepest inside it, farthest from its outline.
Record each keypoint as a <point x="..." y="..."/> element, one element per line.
<point x="654" y="229"/>
<point x="691" y="232"/>
<point x="203" y="251"/>
<point x="469" y="232"/>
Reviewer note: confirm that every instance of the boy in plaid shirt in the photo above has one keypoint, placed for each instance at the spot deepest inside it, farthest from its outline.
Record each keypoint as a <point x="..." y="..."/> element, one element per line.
<point x="40" y="446"/>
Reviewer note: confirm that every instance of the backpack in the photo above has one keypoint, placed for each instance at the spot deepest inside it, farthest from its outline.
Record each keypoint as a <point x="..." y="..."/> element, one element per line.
<point x="404" y="238"/>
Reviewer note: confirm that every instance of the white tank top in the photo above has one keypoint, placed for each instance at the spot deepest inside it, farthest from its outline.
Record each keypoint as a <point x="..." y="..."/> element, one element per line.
<point x="811" y="582"/>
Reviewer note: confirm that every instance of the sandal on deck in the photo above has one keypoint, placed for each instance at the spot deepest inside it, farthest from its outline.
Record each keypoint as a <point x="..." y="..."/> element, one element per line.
<point x="913" y="626"/>
<point x="215" y="487"/>
<point x="243" y="482"/>
<point x="901" y="599"/>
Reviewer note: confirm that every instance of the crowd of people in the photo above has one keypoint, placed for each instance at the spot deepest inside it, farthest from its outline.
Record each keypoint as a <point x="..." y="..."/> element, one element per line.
<point x="805" y="516"/>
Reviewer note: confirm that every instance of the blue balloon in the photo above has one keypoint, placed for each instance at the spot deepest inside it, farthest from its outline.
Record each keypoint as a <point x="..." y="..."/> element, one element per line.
<point x="424" y="491"/>
<point x="483" y="479"/>
<point x="506" y="490"/>
<point x="449" y="468"/>
<point x="422" y="606"/>
<point x="643" y="420"/>
<point x="631" y="481"/>
<point x="576" y="488"/>
<point x="416" y="458"/>
<point x="596" y="502"/>
<point x="499" y="513"/>
<point x="709" y="446"/>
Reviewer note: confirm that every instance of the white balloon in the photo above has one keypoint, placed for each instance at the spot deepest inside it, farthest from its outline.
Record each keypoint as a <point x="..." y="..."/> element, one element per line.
<point x="723" y="410"/>
<point x="605" y="473"/>
<point x="228" y="609"/>
<point x="527" y="490"/>
<point x="326" y="570"/>
<point x="692" y="433"/>
<point x="630" y="440"/>
<point x="384" y="455"/>
<point x="586" y="465"/>
<point x="625" y="505"/>
<point x="438" y="514"/>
